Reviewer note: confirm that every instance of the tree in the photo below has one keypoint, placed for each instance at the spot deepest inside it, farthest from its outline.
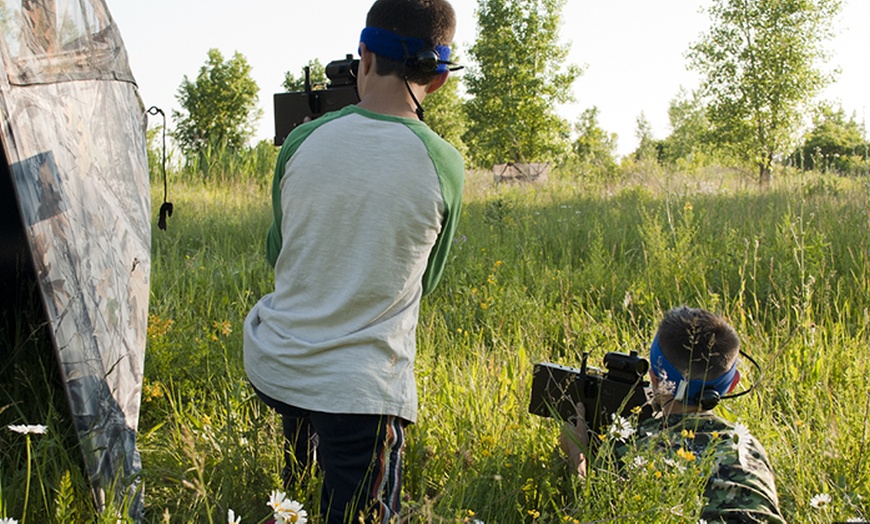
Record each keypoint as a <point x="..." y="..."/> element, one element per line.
<point x="759" y="63"/>
<point x="445" y="113"/>
<point x="689" y="128"/>
<point x="647" y="145"/>
<point x="834" y="143"/>
<point x="316" y="75"/>
<point x="219" y="108"/>
<point x="594" y="147"/>
<point x="516" y="81"/>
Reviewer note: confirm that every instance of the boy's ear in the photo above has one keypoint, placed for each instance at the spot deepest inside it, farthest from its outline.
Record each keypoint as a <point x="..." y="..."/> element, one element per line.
<point x="734" y="382"/>
<point x="366" y="59"/>
<point x="437" y="82"/>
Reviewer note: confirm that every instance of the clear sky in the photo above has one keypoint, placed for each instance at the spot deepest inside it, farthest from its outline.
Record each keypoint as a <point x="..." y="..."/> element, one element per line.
<point x="633" y="50"/>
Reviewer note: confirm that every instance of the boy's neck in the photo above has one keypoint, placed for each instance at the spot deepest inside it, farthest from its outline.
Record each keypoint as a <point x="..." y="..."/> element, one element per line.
<point x="388" y="95"/>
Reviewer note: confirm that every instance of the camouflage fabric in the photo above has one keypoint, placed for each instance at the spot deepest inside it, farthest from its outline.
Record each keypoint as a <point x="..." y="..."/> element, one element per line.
<point x="72" y="130"/>
<point x="741" y="487"/>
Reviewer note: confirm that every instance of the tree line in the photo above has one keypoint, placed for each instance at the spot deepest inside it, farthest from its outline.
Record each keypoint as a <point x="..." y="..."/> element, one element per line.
<point x="760" y="62"/>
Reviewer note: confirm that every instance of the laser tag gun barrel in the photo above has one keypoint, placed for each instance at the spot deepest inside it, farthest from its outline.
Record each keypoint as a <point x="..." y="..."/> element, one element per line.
<point x="291" y="109"/>
<point x="617" y="390"/>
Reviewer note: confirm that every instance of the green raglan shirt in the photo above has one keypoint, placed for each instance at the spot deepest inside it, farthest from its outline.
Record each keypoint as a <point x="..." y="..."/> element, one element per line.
<point x="365" y="209"/>
<point x="446" y="160"/>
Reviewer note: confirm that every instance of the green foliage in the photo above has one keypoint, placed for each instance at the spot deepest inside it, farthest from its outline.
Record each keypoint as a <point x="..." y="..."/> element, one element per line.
<point x="516" y="82"/>
<point x="317" y="77"/>
<point x="154" y="149"/>
<point x="219" y="107"/>
<point x="759" y="63"/>
<point x="647" y="146"/>
<point x="594" y="147"/>
<point x="537" y="273"/>
<point x="835" y="143"/>
<point x="445" y="113"/>
<point x="218" y="163"/>
<point x="687" y="144"/>
<point x="41" y="475"/>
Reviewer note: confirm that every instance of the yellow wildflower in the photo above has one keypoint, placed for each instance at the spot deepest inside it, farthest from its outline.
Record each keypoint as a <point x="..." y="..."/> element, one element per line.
<point x="224" y="327"/>
<point x="686" y="455"/>
<point x="157" y="327"/>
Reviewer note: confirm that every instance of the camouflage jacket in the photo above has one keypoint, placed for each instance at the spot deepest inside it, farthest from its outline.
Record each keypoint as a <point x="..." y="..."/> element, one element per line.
<point x="741" y="486"/>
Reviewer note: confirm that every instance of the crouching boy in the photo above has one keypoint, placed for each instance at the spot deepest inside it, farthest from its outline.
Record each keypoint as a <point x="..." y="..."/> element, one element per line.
<point x="693" y="363"/>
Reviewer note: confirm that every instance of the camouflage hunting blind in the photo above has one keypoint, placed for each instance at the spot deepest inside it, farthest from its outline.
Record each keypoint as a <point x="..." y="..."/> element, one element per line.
<point x="75" y="184"/>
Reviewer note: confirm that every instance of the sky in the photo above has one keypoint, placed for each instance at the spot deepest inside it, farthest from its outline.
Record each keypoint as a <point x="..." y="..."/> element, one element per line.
<point x="633" y="51"/>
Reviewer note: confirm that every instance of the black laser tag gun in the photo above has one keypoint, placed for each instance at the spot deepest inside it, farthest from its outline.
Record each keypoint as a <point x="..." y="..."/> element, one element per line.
<point x="292" y="108"/>
<point x="619" y="389"/>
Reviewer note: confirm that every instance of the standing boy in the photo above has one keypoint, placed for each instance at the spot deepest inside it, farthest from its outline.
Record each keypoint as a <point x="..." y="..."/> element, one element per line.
<point x="365" y="202"/>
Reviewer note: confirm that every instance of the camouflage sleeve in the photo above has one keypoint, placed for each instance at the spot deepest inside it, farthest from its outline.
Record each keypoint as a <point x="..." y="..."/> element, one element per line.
<point x="742" y="487"/>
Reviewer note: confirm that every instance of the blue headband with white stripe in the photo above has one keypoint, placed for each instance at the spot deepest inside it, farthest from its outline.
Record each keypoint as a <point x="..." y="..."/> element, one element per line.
<point x="401" y="49"/>
<point x="687" y="393"/>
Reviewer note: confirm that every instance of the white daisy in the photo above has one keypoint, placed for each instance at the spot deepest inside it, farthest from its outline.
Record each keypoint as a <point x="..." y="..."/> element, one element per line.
<point x="741" y="432"/>
<point x="672" y="463"/>
<point x="621" y="427"/>
<point x="292" y="513"/>
<point x="287" y="511"/>
<point x="231" y="517"/>
<point x="7" y="520"/>
<point x="820" y="501"/>
<point x="32" y="429"/>
<point x="276" y="498"/>
<point x="639" y="462"/>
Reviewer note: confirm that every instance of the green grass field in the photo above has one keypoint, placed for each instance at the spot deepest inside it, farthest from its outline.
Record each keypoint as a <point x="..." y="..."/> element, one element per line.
<point x="537" y="273"/>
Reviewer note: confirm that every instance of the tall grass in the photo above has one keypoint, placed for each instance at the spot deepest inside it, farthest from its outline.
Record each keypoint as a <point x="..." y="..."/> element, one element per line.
<point x="537" y="272"/>
<point x="41" y="475"/>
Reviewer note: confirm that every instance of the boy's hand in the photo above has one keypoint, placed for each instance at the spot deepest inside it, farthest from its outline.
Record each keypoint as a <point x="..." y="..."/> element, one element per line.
<point x="574" y="439"/>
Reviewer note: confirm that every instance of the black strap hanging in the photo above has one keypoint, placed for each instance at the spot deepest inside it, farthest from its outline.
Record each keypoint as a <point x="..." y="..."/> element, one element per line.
<point x="166" y="207"/>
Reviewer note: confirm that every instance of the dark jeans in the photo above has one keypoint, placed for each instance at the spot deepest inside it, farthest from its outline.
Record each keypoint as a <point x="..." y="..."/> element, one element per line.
<point x="360" y="456"/>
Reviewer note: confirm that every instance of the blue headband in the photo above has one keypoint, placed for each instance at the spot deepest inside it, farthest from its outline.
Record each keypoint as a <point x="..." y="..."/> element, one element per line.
<point x="401" y="49"/>
<point x="687" y="394"/>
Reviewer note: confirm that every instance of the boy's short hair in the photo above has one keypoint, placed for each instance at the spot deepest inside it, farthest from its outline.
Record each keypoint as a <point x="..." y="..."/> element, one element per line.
<point x="432" y="21"/>
<point x="700" y="344"/>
